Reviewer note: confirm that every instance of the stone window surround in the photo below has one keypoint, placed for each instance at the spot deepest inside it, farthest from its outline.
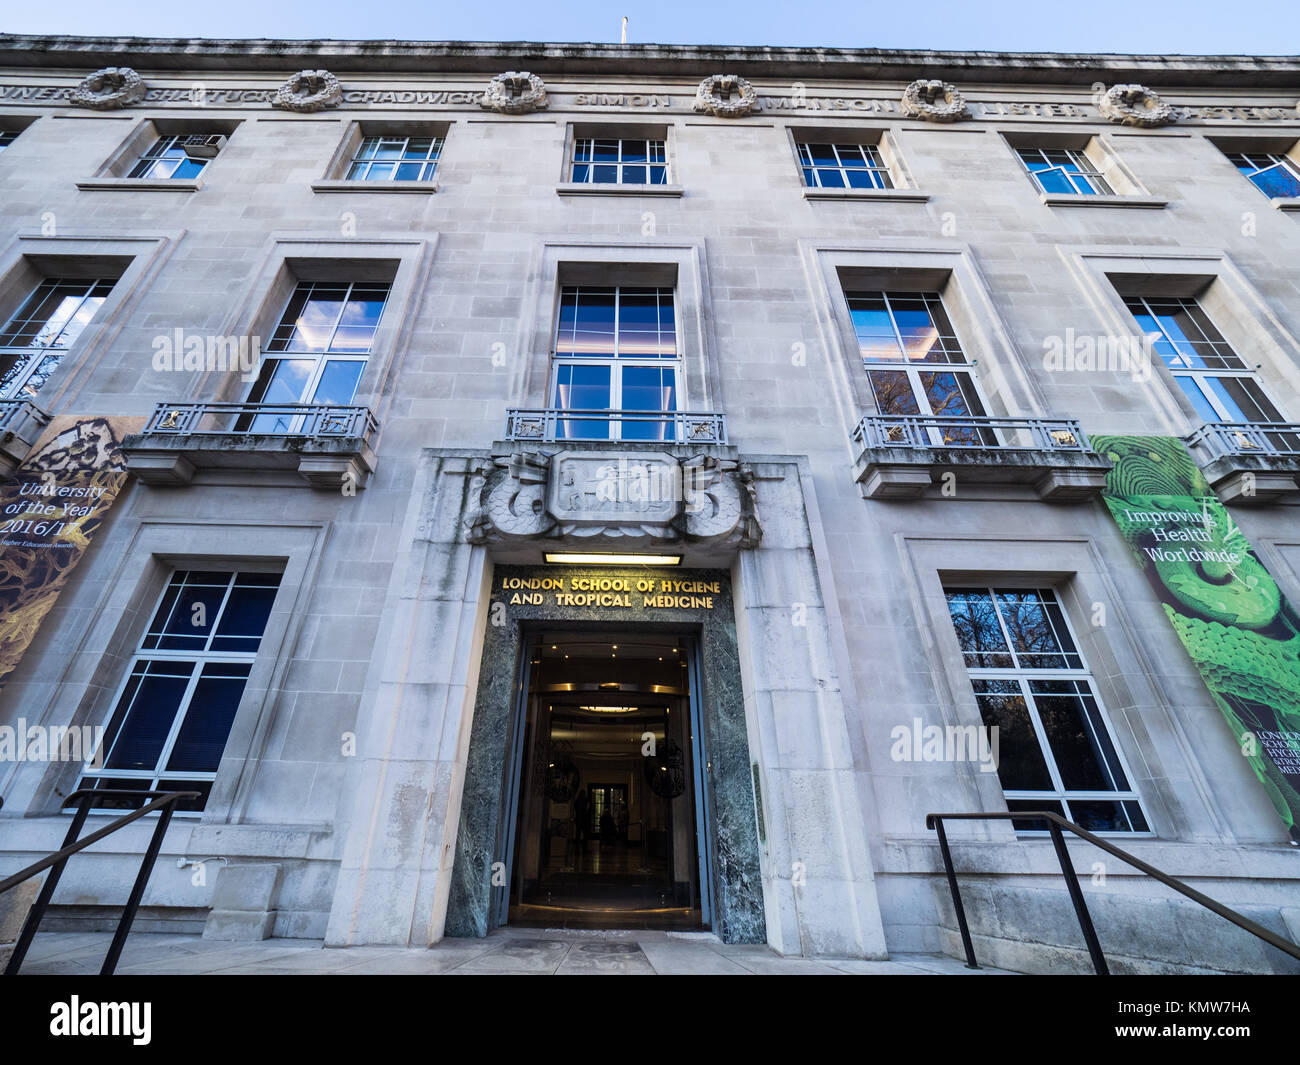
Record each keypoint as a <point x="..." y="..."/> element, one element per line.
<point x="15" y="123"/>
<point x="135" y="259"/>
<point x="356" y="130"/>
<point x="884" y="137"/>
<point x="681" y="266"/>
<point x="1128" y="190"/>
<point x="1118" y="662"/>
<point x="1023" y="676"/>
<point x="1233" y="303"/>
<point x="1280" y="555"/>
<point x="118" y="614"/>
<point x="398" y="260"/>
<point x="998" y="370"/>
<point x="112" y="175"/>
<point x="609" y="126"/>
<point x="1285" y="144"/>
<point x="1207" y="768"/>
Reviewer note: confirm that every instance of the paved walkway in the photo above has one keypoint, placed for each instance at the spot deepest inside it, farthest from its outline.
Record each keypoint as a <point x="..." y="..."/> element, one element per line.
<point x="522" y="951"/>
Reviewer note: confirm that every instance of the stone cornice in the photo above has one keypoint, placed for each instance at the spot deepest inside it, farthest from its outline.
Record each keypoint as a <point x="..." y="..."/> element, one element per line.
<point x="378" y="57"/>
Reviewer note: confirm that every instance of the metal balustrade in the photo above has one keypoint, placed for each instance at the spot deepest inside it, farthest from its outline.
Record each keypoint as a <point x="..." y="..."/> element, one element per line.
<point x="23" y="418"/>
<point x="163" y="803"/>
<point x="271" y="419"/>
<point x="970" y="431"/>
<point x="684" y="427"/>
<point x="1246" y="438"/>
<point x="1055" y="824"/>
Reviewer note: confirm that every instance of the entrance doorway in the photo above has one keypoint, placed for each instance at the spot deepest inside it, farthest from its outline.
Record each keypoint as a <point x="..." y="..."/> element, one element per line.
<point x="608" y="791"/>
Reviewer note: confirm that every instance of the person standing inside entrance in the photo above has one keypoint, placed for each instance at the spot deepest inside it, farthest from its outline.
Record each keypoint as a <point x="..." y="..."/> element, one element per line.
<point x="581" y="819"/>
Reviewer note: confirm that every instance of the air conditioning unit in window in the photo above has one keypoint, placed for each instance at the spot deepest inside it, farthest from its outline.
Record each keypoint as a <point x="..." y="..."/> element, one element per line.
<point x="202" y="145"/>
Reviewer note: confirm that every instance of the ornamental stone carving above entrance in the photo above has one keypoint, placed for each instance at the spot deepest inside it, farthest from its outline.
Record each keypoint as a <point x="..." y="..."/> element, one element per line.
<point x="726" y="96"/>
<point x="516" y="92"/>
<point x="595" y="489"/>
<point x="309" y="91"/>
<point x="618" y="497"/>
<point x="1134" y="105"/>
<point x="934" y="101"/>
<point x="109" y="88"/>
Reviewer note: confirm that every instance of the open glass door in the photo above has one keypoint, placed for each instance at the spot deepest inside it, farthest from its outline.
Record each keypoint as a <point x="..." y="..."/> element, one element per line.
<point x="608" y="786"/>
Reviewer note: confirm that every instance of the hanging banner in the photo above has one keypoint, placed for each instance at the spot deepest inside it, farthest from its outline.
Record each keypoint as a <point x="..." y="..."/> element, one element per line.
<point x="1229" y="613"/>
<point x="50" y="508"/>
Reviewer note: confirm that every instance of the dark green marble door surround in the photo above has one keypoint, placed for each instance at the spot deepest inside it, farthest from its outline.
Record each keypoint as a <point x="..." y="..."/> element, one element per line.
<point x="481" y="836"/>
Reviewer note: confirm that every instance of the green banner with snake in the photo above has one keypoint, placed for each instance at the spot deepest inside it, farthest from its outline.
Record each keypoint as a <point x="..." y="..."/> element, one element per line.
<point x="1229" y="613"/>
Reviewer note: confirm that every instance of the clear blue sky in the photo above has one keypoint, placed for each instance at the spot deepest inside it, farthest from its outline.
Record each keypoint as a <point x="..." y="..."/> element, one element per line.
<point x="1154" y="26"/>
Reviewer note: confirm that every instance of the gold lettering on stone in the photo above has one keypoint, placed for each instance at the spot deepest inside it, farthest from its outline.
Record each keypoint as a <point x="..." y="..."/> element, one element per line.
<point x="612" y="592"/>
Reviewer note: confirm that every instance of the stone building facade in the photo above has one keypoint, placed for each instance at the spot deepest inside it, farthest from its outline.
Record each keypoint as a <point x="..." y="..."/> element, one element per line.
<point x="877" y="329"/>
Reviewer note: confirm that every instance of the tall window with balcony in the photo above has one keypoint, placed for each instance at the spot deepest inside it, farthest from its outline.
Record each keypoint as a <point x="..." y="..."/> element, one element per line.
<point x="619" y="161"/>
<point x="1220" y="385"/>
<point x="1064" y="170"/>
<point x="395" y="158"/>
<point x="1055" y="751"/>
<point x="173" y="714"/>
<point x="178" y="156"/>
<point x="316" y="355"/>
<point x="916" y="367"/>
<point x="843" y="166"/>
<point x="616" y="356"/>
<point x="34" y="341"/>
<point x="1274" y="174"/>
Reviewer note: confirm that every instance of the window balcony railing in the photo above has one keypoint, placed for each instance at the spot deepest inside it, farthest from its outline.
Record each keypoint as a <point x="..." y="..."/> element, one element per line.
<point x="941" y="431"/>
<point x="1249" y="462"/>
<point x="329" y="446"/>
<point x="1247" y="438"/>
<point x="289" y="419"/>
<point x="901" y="455"/>
<point x="671" y="427"/>
<point x="21" y="423"/>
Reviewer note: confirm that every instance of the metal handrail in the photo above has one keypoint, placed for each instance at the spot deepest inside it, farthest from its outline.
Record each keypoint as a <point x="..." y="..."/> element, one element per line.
<point x="1247" y="438"/>
<point x="220" y="419"/>
<point x="970" y="431"/>
<point x="1054" y="824"/>
<point x="686" y="426"/>
<point x="164" y="802"/>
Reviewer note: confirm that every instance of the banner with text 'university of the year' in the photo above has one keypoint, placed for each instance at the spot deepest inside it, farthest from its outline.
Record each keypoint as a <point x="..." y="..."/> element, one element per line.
<point x="50" y="508"/>
<point x="1229" y="613"/>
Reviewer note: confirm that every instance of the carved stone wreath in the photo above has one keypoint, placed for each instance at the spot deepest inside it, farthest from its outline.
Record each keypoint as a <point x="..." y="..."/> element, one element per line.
<point x="1134" y="105"/>
<point x="934" y="101"/>
<point x="109" y="88"/>
<point x="516" y="92"/>
<point x="308" y="91"/>
<point x="726" y="96"/>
